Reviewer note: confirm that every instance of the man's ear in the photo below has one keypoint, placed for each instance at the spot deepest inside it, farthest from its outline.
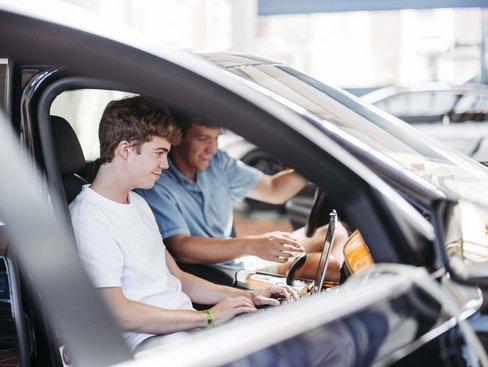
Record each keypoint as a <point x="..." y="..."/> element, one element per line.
<point x="122" y="149"/>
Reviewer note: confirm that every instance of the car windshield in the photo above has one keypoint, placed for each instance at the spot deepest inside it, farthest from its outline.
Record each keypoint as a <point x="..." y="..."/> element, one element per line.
<point x="369" y="127"/>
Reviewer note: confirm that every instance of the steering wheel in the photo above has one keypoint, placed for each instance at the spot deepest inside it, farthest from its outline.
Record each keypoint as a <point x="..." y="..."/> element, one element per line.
<point x="317" y="214"/>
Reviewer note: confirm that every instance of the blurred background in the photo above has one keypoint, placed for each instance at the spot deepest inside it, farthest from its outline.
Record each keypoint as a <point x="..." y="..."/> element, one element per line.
<point x="356" y="45"/>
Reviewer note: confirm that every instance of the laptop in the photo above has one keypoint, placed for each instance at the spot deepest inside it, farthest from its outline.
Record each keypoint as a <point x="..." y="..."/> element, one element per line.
<point x="251" y="279"/>
<point x="325" y="256"/>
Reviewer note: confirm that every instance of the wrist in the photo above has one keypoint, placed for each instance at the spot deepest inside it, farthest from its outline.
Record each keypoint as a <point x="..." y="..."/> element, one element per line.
<point x="250" y="295"/>
<point x="208" y="319"/>
<point x="250" y="246"/>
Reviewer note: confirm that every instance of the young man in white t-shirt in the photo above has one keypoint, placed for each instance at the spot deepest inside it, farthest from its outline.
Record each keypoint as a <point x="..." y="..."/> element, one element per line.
<point x="119" y="241"/>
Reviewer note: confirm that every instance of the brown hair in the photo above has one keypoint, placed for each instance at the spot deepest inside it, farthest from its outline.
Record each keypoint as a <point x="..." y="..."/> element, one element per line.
<point x="137" y="120"/>
<point x="185" y="121"/>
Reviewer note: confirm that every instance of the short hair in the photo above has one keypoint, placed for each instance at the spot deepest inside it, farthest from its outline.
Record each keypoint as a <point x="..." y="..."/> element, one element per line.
<point x="137" y="120"/>
<point x="185" y="121"/>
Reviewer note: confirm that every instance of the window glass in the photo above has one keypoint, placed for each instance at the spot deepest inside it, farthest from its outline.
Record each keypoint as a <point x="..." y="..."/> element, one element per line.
<point x="83" y="110"/>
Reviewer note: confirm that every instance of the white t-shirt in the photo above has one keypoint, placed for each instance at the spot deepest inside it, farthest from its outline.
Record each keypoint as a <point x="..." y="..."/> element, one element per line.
<point x="120" y="246"/>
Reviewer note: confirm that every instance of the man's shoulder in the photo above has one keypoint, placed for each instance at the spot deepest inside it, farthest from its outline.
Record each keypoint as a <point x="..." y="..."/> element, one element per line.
<point x="84" y="207"/>
<point x="222" y="157"/>
<point x="165" y="187"/>
<point x="219" y="162"/>
<point x="223" y="164"/>
<point x="80" y="200"/>
<point x="167" y="178"/>
<point x="89" y="201"/>
<point x="136" y="198"/>
<point x="138" y="201"/>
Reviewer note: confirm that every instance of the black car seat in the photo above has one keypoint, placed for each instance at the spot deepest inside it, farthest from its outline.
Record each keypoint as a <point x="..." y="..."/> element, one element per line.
<point x="69" y="154"/>
<point x="71" y="162"/>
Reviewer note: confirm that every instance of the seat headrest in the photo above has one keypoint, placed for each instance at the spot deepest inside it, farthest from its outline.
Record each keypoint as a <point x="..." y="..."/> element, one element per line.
<point x="67" y="147"/>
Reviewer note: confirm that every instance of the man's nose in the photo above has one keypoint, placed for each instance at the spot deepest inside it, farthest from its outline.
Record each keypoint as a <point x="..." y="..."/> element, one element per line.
<point x="213" y="146"/>
<point x="163" y="162"/>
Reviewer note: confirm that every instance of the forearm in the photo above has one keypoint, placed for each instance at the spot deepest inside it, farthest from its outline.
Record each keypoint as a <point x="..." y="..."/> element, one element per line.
<point x="204" y="250"/>
<point x="200" y="290"/>
<point x="286" y="184"/>
<point x="139" y="317"/>
<point x="273" y="246"/>
<point x="280" y="187"/>
<point x="206" y="293"/>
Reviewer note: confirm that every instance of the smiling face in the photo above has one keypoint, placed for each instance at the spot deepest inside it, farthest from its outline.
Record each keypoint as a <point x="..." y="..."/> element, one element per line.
<point x="147" y="165"/>
<point x="198" y="146"/>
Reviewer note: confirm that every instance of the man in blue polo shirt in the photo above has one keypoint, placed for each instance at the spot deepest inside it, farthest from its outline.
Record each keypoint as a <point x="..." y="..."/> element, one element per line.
<point x="192" y="204"/>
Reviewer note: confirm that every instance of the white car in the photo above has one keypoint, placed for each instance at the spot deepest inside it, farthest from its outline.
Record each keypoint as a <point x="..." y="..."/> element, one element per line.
<point x="456" y="115"/>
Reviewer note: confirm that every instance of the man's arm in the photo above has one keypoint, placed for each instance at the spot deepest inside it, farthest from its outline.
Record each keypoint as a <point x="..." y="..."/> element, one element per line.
<point x="278" y="188"/>
<point x="201" y="291"/>
<point x="140" y="317"/>
<point x="273" y="246"/>
<point x="204" y="292"/>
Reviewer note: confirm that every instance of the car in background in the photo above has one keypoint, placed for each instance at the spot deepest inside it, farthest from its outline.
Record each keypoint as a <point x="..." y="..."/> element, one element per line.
<point x="456" y="115"/>
<point x="419" y="208"/>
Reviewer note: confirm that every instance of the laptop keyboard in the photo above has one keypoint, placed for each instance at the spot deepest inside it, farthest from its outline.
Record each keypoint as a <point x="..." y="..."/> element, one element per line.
<point x="269" y="307"/>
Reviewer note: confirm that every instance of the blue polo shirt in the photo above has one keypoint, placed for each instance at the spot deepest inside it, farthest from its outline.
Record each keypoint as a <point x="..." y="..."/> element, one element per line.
<point x="204" y="207"/>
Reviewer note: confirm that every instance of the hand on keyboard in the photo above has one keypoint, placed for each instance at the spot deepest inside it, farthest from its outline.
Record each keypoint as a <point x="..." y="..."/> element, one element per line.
<point x="270" y="295"/>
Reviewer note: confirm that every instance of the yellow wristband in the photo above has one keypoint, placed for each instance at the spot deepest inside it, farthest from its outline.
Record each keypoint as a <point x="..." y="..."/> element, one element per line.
<point x="210" y="321"/>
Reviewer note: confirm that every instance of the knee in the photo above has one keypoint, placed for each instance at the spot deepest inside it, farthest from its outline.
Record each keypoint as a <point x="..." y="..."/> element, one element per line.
<point x="309" y="269"/>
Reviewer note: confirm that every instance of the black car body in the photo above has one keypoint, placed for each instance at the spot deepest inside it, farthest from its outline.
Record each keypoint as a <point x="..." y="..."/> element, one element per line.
<point x="406" y="311"/>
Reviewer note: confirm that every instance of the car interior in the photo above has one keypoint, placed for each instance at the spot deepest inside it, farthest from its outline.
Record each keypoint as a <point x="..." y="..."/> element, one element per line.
<point x="74" y="171"/>
<point x="70" y="157"/>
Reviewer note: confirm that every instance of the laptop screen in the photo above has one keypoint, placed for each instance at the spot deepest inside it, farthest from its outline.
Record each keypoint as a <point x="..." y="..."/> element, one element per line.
<point x="325" y="254"/>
